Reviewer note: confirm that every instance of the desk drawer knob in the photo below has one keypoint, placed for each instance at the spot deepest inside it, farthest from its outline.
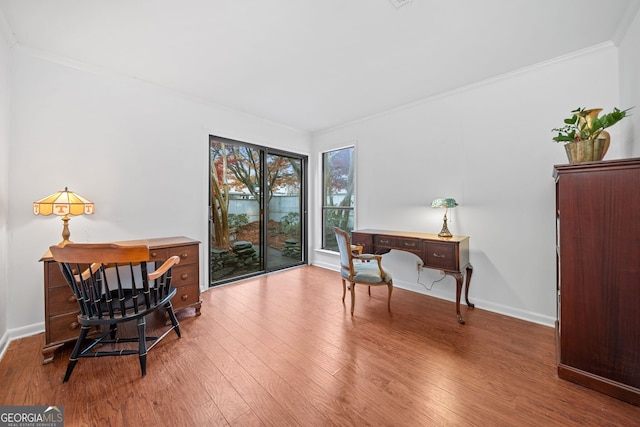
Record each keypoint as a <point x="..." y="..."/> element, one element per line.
<point x="184" y="276"/>
<point x="184" y="297"/>
<point x="73" y="325"/>
<point x="385" y="241"/>
<point x="154" y="254"/>
<point x="184" y="255"/>
<point x="439" y="256"/>
<point x="410" y="245"/>
<point x="71" y="299"/>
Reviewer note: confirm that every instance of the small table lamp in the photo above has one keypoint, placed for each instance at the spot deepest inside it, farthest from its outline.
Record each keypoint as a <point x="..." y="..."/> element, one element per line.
<point x="63" y="203"/>
<point x="444" y="203"/>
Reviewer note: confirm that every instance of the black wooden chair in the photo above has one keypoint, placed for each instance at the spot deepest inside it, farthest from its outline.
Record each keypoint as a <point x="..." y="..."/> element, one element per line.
<point x="115" y="287"/>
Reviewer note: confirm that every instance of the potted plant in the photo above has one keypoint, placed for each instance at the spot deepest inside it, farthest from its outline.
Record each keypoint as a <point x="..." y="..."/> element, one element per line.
<point x="584" y="133"/>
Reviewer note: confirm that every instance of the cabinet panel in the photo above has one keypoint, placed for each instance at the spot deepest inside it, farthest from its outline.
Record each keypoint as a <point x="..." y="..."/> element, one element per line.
<point x="598" y="276"/>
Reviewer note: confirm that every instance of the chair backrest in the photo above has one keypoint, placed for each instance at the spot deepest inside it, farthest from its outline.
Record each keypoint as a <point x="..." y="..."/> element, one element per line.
<point x="344" y="246"/>
<point x="110" y="280"/>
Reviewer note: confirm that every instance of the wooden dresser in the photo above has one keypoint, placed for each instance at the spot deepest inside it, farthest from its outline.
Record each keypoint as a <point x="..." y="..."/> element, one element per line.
<point x="61" y="308"/>
<point x="598" y="276"/>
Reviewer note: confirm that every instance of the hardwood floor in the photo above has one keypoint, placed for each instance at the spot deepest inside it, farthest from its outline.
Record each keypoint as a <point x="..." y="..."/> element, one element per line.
<point x="283" y="350"/>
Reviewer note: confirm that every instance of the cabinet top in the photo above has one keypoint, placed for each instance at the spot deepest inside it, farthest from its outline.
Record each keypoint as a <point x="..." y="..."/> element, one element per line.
<point x="152" y="243"/>
<point x="601" y="165"/>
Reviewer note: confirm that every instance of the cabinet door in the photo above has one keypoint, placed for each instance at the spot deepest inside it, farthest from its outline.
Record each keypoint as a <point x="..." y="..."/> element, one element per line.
<point x="599" y="272"/>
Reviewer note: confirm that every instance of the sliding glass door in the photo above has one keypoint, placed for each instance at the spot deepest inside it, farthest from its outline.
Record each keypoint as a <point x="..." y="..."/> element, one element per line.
<point x="257" y="210"/>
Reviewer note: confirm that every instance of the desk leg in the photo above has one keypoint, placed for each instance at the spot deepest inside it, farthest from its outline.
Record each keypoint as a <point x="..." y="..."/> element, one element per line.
<point x="459" y="278"/>
<point x="466" y="291"/>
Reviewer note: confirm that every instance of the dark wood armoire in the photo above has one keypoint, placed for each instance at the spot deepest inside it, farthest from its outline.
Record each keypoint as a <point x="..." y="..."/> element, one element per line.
<point x="598" y="275"/>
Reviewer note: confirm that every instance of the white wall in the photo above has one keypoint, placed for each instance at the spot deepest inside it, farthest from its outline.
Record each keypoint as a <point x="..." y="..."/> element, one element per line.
<point x="4" y="188"/>
<point x="630" y="85"/>
<point x="488" y="146"/>
<point x="139" y="152"/>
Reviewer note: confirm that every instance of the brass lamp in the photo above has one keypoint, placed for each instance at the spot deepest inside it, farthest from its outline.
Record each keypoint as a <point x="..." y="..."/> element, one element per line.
<point x="444" y="203"/>
<point x="65" y="204"/>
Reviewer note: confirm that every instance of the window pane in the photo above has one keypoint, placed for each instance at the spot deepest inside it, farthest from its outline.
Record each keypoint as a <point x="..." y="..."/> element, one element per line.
<point x="341" y="218"/>
<point x="338" y="177"/>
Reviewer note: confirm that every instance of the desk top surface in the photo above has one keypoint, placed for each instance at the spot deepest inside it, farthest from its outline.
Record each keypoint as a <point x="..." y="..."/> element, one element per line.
<point x="411" y="234"/>
<point x="156" y="242"/>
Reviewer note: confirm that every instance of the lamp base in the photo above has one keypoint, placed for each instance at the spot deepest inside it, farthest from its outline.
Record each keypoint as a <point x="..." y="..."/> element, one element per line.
<point x="445" y="230"/>
<point x="65" y="232"/>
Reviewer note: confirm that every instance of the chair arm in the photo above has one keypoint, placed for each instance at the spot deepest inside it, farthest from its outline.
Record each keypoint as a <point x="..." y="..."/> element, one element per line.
<point x="87" y="273"/>
<point x="164" y="267"/>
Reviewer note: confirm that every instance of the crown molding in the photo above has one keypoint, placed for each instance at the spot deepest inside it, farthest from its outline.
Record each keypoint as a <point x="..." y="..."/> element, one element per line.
<point x="471" y="86"/>
<point x="632" y="12"/>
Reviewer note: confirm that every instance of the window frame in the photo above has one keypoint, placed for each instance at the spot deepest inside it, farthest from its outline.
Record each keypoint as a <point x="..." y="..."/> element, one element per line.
<point x="325" y="208"/>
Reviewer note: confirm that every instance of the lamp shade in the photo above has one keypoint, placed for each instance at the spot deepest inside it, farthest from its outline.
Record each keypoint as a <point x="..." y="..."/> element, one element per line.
<point x="63" y="203"/>
<point x="444" y="203"/>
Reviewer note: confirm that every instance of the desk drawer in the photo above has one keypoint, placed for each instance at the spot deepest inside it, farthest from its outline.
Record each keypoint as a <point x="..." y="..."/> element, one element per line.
<point x="386" y="241"/>
<point x="63" y="327"/>
<point x="53" y="276"/>
<point x="441" y="256"/>
<point x="187" y="254"/>
<point x="409" y="245"/>
<point x="184" y="275"/>
<point x="185" y="296"/>
<point x="364" y="240"/>
<point x="62" y="300"/>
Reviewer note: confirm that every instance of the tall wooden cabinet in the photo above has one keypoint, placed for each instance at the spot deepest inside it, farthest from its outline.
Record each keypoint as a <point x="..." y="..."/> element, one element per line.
<point x="598" y="276"/>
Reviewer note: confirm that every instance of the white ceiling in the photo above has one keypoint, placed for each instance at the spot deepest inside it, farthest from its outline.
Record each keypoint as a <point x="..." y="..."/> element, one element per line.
<point x="312" y="64"/>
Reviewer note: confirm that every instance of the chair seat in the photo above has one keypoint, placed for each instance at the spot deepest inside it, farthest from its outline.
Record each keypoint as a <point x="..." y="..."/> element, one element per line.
<point x="366" y="272"/>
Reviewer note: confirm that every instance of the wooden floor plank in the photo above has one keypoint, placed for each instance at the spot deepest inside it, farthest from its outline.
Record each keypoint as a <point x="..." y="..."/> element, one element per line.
<point x="283" y="349"/>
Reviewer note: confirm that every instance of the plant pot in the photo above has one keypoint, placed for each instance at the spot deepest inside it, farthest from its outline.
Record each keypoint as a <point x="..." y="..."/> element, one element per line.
<point x="588" y="150"/>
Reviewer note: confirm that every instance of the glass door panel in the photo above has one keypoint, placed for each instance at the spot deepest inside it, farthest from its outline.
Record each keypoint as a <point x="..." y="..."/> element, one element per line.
<point x="235" y="221"/>
<point x="284" y="231"/>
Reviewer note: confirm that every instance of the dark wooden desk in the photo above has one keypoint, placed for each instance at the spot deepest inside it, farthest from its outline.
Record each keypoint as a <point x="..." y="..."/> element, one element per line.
<point x="450" y="255"/>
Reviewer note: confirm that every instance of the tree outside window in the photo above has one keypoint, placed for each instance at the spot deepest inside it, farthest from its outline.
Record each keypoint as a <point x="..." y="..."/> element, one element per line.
<point x="338" y="197"/>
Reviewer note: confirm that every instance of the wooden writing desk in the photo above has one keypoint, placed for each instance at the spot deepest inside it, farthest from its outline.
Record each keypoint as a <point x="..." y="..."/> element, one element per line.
<point x="450" y="255"/>
<point x="61" y="307"/>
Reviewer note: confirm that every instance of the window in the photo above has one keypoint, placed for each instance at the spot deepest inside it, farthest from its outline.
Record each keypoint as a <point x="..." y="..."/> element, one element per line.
<point x="338" y="196"/>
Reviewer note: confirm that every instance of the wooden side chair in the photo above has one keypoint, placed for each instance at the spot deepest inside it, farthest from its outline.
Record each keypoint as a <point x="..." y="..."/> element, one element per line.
<point x="366" y="273"/>
<point x="112" y="285"/>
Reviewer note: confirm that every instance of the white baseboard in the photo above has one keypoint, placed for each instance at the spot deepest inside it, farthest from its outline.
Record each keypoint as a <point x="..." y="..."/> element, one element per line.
<point x="17" y="333"/>
<point x="479" y="303"/>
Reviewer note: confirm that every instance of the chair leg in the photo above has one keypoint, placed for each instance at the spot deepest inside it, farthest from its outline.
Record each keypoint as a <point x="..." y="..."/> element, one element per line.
<point x="142" y="345"/>
<point x="344" y="289"/>
<point x="76" y="351"/>
<point x="113" y="329"/>
<point x="390" y="285"/>
<point x="369" y="290"/>
<point x="353" y="296"/>
<point x="174" y="320"/>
